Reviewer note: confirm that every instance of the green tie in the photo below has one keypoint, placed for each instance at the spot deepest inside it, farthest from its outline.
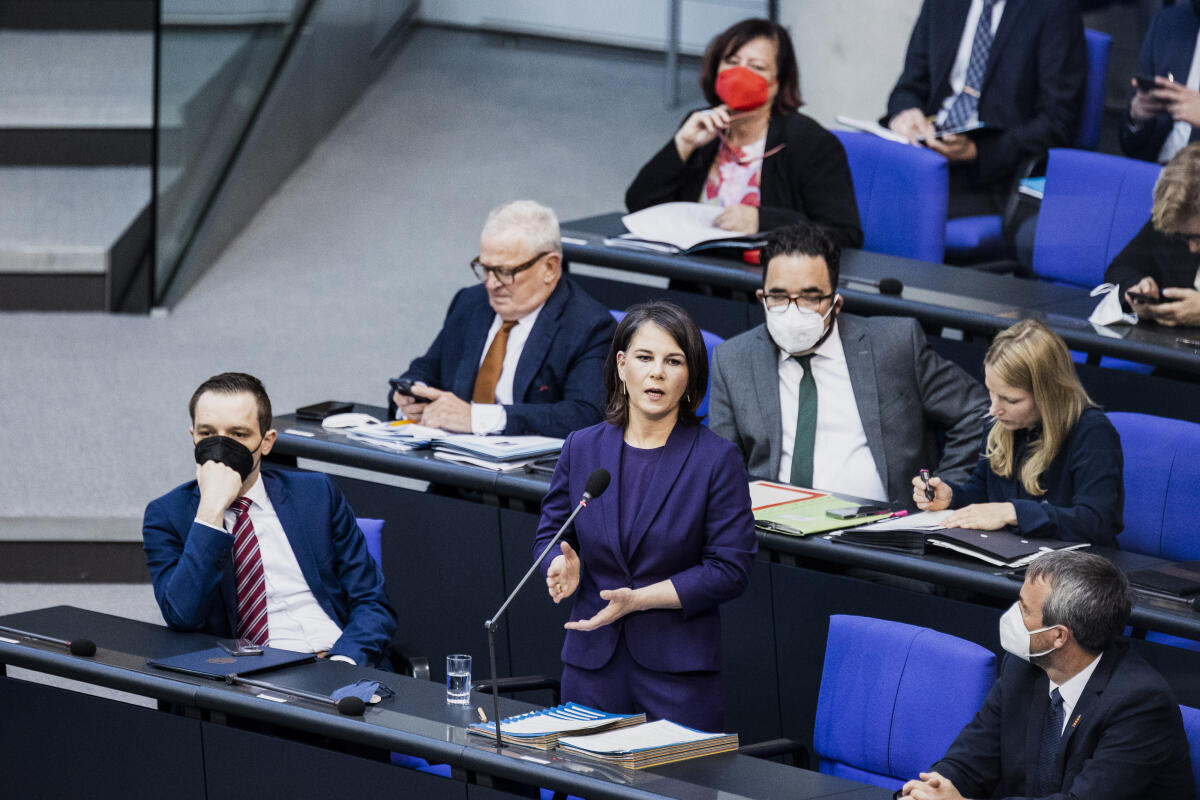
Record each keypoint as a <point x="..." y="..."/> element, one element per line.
<point x="806" y="425"/>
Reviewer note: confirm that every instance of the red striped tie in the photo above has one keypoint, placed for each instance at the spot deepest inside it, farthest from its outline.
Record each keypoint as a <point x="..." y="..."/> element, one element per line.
<point x="248" y="572"/>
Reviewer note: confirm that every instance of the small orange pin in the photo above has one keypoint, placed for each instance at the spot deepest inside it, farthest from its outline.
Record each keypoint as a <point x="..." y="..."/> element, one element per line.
<point x="1075" y="724"/>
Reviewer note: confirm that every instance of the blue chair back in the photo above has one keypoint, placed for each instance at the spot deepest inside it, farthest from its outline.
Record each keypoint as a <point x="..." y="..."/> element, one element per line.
<point x="1191" y="727"/>
<point x="872" y="720"/>
<point x="372" y="530"/>
<point x="1093" y="205"/>
<point x="711" y="340"/>
<point x="1091" y="116"/>
<point x="901" y="192"/>
<point x="1162" y="485"/>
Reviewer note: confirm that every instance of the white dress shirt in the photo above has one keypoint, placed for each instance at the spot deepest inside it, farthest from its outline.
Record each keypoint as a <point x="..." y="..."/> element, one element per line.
<point x="295" y="620"/>
<point x="1181" y="132"/>
<point x="1072" y="690"/>
<point x="958" y="73"/>
<point x="842" y="461"/>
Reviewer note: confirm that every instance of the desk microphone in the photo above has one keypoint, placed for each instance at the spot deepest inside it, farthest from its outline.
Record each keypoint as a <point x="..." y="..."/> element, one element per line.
<point x="349" y="705"/>
<point x="892" y="286"/>
<point x="77" y="647"/>
<point x="597" y="482"/>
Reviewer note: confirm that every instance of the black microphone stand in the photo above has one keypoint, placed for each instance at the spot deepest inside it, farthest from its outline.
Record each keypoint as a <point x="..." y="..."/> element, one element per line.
<point x="494" y="622"/>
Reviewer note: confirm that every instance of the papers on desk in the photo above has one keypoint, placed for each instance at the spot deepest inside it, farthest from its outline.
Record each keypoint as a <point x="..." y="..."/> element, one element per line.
<point x="542" y="729"/>
<point x="649" y="745"/>
<point x="872" y="127"/>
<point x="913" y="534"/>
<point x="493" y="452"/>
<point x="680" y="228"/>
<point x="1033" y="187"/>
<point x="779" y="508"/>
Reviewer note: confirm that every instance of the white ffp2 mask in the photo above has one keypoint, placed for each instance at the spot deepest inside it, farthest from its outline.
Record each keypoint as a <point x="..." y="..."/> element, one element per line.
<point x="1014" y="636"/>
<point x="796" y="330"/>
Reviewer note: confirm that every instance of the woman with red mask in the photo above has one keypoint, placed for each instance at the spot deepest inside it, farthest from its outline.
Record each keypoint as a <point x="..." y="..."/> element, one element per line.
<point x="751" y="153"/>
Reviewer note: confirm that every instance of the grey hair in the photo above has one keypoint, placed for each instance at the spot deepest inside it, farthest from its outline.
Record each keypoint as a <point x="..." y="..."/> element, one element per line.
<point x="1088" y="594"/>
<point x="536" y="222"/>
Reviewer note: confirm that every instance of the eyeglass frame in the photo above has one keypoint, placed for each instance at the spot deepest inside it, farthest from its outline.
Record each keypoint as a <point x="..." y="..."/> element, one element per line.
<point x="797" y="299"/>
<point x="501" y="272"/>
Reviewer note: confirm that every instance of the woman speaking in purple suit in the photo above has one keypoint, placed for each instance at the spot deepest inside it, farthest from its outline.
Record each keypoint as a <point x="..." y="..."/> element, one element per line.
<point x="651" y="560"/>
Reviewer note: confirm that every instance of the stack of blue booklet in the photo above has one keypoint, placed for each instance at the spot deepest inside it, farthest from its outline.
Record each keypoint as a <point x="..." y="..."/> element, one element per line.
<point x="542" y="729"/>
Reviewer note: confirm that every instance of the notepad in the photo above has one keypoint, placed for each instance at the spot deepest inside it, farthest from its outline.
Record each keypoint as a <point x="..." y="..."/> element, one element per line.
<point x="650" y="745"/>
<point x="680" y="227"/>
<point x="779" y="508"/>
<point x="543" y="728"/>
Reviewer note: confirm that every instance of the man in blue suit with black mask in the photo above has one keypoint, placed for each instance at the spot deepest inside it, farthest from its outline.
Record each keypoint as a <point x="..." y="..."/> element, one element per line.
<point x="272" y="556"/>
<point x="522" y="351"/>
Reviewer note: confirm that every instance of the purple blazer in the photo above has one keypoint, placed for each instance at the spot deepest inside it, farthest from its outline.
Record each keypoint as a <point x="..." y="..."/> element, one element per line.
<point x="694" y="527"/>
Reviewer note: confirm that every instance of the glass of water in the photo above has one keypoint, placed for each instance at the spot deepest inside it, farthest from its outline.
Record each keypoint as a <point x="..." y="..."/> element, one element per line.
<point x="458" y="679"/>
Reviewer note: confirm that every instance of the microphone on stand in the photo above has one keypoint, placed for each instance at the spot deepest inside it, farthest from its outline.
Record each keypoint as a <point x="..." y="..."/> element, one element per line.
<point x="597" y="482"/>
<point x="893" y="286"/>
<point x="77" y="647"/>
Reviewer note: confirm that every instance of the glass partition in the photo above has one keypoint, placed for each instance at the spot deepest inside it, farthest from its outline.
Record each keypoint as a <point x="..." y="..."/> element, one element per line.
<point x="216" y="60"/>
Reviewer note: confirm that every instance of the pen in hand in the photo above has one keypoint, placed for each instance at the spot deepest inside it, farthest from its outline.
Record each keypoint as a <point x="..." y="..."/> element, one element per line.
<point x="929" y="493"/>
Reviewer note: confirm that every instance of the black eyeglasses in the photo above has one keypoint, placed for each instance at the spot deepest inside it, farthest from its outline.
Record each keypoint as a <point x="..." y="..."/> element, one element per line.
<point x="506" y="275"/>
<point x="778" y="303"/>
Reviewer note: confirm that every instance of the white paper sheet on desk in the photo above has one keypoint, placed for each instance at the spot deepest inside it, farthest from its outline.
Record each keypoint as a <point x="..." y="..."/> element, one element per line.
<point x="924" y="521"/>
<point x="870" y="126"/>
<point x="661" y="733"/>
<point x="683" y="225"/>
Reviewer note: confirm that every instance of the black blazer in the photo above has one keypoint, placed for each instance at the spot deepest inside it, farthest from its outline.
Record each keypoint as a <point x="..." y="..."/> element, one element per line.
<point x="1124" y="739"/>
<point x="558" y="386"/>
<point x="1032" y="89"/>
<point x="808" y="179"/>
<point x="1155" y="255"/>
<point x="1169" y="46"/>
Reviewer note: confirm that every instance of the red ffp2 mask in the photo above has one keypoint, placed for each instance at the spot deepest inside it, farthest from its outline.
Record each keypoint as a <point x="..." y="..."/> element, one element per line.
<point x="741" y="88"/>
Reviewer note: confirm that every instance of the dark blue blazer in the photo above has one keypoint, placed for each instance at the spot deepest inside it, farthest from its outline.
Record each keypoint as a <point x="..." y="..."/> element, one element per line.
<point x="1085" y="486"/>
<point x="694" y="527"/>
<point x="558" y="386"/>
<point x="1124" y="739"/>
<point x="191" y="564"/>
<point x="1168" y="48"/>
<point x="1033" y="85"/>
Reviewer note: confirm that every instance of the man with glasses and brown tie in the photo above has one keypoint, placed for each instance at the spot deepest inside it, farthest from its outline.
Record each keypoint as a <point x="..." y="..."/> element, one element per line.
<point x="828" y="400"/>
<point x="520" y="353"/>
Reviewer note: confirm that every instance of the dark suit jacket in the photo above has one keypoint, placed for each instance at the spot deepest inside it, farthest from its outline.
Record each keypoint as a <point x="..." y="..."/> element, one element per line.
<point x="906" y="395"/>
<point x="808" y="179"/>
<point x="1125" y="737"/>
<point x="1169" y="46"/>
<point x="1156" y="255"/>
<point x="1032" y="88"/>
<point x="559" y="384"/>
<point x="1085" y="487"/>
<point x="191" y="565"/>
<point x="694" y="527"/>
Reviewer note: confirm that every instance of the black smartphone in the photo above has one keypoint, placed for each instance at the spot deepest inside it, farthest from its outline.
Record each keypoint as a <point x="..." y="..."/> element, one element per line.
<point x="1146" y="299"/>
<point x="854" y="512"/>
<point x="1145" y="82"/>
<point x="404" y="386"/>
<point x="319" y="411"/>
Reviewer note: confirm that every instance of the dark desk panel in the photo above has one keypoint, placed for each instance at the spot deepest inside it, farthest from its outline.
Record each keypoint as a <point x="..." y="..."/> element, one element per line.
<point x="416" y="721"/>
<point x="969" y="300"/>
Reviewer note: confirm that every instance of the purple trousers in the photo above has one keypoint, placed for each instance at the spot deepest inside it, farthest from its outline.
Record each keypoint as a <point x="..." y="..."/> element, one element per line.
<point x="623" y="686"/>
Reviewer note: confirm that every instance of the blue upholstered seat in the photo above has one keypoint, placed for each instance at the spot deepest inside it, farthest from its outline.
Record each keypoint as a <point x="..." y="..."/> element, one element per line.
<point x="901" y="193"/>
<point x="872" y="720"/>
<point x="1191" y="727"/>
<point x="981" y="238"/>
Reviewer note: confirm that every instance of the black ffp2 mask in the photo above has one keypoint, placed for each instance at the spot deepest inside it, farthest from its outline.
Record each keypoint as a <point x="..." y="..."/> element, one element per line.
<point x="227" y="451"/>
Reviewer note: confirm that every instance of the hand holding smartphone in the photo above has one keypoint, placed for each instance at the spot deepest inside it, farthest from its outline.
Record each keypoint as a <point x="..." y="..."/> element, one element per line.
<point x="404" y="387"/>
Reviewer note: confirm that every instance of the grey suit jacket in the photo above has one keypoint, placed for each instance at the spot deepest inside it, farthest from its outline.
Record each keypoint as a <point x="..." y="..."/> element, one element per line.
<point x="907" y="396"/>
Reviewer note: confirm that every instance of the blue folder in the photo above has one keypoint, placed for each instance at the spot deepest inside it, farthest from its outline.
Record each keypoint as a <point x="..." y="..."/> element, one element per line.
<point x="215" y="662"/>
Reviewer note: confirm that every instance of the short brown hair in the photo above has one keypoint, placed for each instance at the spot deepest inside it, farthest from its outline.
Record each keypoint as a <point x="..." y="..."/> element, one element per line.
<point x="1177" y="191"/>
<point x="683" y="329"/>
<point x="787" y="99"/>
<point x="236" y="383"/>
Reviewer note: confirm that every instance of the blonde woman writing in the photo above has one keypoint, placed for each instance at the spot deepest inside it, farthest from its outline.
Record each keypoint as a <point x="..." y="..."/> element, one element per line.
<point x="1051" y="461"/>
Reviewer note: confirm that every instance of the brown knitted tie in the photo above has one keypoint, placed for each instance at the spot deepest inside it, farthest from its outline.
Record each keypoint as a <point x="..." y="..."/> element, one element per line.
<point x="493" y="362"/>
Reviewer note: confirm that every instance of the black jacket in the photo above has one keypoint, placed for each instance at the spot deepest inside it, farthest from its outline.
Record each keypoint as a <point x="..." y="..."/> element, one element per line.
<point x="808" y="179"/>
<point x="1155" y="255"/>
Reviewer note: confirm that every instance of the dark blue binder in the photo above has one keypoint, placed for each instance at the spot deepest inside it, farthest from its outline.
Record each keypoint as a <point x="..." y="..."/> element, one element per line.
<point x="217" y="663"/>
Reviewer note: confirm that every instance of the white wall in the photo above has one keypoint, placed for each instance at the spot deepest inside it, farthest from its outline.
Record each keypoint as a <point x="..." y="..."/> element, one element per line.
<point x="850" y="52"/>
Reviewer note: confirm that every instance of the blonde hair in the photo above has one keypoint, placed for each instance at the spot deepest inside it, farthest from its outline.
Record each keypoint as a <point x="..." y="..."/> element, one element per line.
<point x="1177" y="191"/>
<point x="1031" y="357"/>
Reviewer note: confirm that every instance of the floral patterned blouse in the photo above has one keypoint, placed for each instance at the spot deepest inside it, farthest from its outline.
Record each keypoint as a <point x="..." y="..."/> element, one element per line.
<point x="735" y="176"/>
